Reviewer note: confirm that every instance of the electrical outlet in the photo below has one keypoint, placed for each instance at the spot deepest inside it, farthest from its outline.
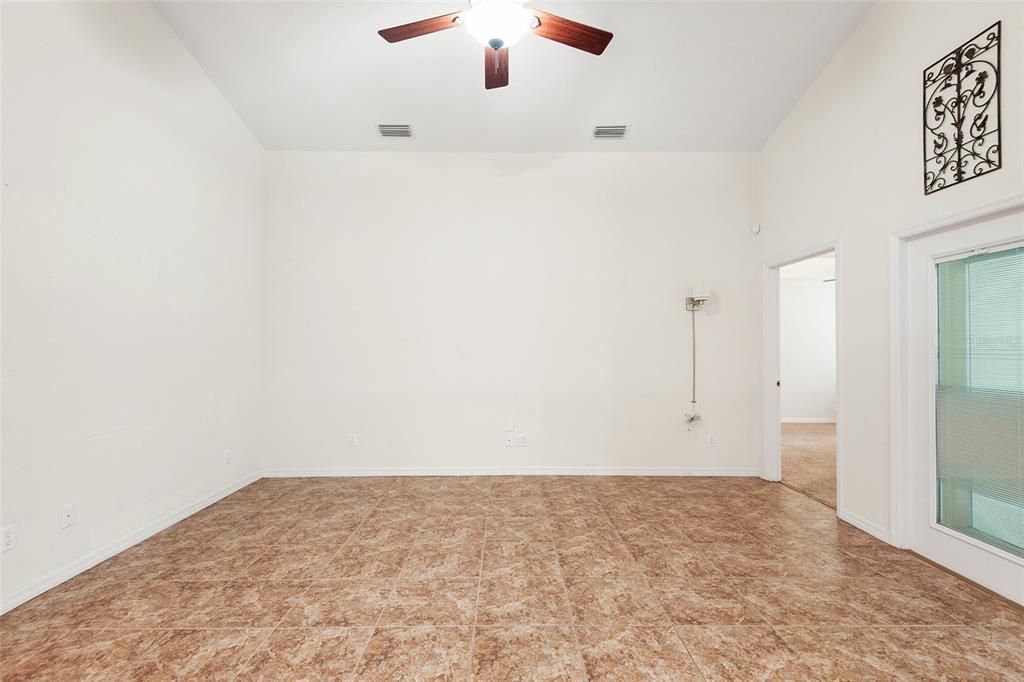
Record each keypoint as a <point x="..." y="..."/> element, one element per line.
<point x="712" y="440"/>
<point x="7" y="542"/>
<point x="510" y="425"/>
<point x="509" y="440"/>
<point x="67" y="516"/>
<point x="227" y="456"/>
<point x="521" y="441"/>
<point x="353" y="441"/>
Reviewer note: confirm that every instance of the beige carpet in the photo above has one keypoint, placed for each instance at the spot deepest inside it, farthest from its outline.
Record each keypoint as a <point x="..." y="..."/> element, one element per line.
<point x="809" y="460"/>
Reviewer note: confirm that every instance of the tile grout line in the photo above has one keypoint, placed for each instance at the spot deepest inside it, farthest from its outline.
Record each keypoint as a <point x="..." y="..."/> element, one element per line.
<point x="672" y="626"/>
<point x="63" y="633"/>
<point x="476" y="608"/>
<point x="643" y="515"/>
<point x="242" y="664"/>
<point x="696" y="666"/>
<point x="575" y="626"/>
<point x="376" y="624"/>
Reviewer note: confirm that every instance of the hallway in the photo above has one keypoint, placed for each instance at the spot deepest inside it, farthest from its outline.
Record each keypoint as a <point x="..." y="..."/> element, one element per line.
<point x="809" y="460"/>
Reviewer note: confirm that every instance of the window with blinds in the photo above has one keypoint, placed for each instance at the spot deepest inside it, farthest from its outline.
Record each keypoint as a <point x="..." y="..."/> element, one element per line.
<point x="979" y="397"/>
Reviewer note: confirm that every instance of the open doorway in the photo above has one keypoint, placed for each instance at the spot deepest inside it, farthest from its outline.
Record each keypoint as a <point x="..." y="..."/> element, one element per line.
<point x="807" y="364"/>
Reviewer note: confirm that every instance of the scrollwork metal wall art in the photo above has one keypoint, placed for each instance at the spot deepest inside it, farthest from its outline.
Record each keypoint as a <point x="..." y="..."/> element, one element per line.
<point x="961" y="113"/>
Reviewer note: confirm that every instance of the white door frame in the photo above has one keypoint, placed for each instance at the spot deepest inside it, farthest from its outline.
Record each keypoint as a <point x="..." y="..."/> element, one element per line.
<point x="899" y="348"/>
<point x="918" y="528"/>
<point x="771" y="447"/>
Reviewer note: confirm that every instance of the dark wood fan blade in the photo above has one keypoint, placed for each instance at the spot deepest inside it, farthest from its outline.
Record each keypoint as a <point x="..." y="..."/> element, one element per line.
<point x="495" y="67"/>
<point x="571" y="33"/>
<point x="419" y="28"/>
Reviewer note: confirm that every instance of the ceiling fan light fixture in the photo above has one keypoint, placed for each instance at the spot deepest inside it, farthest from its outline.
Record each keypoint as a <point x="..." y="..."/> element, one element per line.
<point x="497" y="23"/>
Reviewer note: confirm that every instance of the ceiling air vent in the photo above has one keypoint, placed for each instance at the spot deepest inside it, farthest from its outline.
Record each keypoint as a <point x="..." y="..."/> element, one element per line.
<point x="390" y="130"/>
<point x="610" y="132"/>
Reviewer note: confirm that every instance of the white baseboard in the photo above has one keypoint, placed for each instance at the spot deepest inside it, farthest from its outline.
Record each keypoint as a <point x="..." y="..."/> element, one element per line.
<point x="808" y="420"/>
<point x="91" y="559"/>
<point x="510" y="471"/>
<point x="869" y="527"/>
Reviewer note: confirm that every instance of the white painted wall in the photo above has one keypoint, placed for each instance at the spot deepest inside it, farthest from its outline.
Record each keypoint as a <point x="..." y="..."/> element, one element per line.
<point x="416" y="301"/>
<point x="132" y="282"/>
<point x="419" y="300"/>
<point x="807" y="331"/>
<point x="846" y="165"/>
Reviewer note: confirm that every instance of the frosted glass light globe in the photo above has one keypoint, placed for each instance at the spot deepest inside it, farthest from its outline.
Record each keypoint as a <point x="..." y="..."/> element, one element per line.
<point x="497" y="23"/>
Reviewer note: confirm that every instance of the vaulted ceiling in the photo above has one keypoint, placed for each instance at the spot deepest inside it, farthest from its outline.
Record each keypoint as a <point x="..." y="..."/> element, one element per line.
<point x="686" y="76"/>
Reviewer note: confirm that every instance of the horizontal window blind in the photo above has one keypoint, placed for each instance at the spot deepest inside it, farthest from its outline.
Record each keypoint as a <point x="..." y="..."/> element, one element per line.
<point x="979" y="397"/>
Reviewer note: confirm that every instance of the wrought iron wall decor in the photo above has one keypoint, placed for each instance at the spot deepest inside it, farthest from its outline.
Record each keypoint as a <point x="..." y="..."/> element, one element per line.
<point x="961" y="113"/>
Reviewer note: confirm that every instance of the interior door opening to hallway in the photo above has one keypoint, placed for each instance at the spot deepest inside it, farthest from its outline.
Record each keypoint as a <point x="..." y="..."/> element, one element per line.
<point x="807" y="364"/>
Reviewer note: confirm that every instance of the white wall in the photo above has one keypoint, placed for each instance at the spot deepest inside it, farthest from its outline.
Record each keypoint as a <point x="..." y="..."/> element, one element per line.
<point x="807" y="330"/>
<point x="419" y="300"/>
<point x="132" y="282"/>
<point x="846" y="165"/>
<point x="416" y="301"/>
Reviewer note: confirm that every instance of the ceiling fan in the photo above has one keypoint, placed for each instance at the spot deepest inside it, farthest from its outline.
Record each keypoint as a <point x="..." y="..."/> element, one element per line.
<point x="499" y="24"/>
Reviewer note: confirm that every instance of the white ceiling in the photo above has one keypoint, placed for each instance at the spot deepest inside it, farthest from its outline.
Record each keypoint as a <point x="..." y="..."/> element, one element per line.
<point x="687" y="76"/>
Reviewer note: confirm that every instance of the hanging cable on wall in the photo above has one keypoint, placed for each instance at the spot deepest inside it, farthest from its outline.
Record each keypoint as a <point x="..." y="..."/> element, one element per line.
<point x="695" y="302"/>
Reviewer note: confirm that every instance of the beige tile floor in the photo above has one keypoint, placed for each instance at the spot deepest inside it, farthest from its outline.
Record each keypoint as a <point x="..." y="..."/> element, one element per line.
<point x="809" y="460"/>
<point x="514" y="578"/>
